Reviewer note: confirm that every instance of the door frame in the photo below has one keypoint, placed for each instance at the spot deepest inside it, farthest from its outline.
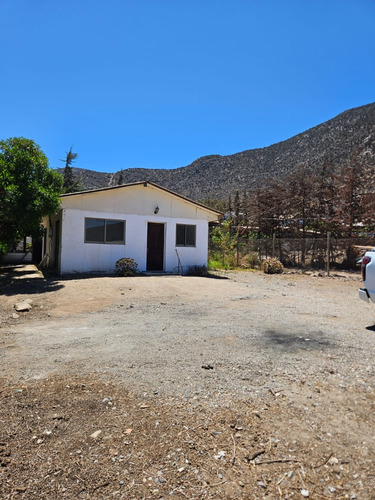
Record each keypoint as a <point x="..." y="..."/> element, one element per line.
<point x="147" y="246"/>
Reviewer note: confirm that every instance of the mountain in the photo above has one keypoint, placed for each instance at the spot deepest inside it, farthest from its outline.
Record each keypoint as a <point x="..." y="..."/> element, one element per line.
<point x="218" y="176"/>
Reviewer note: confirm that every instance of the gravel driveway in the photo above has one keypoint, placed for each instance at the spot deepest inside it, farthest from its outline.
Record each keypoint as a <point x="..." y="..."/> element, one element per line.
<point x="249" y="332"/>
<point x="303" y="342"/>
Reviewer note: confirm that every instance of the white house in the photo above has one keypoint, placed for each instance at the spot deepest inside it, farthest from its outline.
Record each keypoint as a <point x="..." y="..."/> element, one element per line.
<point x="159" y="229"/>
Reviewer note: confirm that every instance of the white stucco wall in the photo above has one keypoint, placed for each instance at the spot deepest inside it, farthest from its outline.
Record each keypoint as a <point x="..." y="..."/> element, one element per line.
<point x="138" y="200"/>
<point x="135" y="204"/>
<point x="78" y="256"/>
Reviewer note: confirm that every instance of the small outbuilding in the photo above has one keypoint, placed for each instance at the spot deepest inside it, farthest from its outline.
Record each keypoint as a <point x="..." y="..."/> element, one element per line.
<point x="159" y="229"/>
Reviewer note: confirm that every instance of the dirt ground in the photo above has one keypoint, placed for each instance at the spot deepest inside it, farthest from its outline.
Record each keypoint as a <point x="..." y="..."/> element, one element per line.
<point x="237" y="386"/>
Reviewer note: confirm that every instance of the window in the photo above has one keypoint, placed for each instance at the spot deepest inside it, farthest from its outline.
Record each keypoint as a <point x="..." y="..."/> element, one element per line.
<point x="185" y="235"/>
<point x="105" y="231"/>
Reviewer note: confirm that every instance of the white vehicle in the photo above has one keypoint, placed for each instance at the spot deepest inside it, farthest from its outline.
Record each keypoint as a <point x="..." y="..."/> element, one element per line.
<point x="367" y="293"/>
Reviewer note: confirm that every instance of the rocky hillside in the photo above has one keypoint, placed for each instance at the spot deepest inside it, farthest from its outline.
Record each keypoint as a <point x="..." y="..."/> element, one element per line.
<point x="218" y="176"/>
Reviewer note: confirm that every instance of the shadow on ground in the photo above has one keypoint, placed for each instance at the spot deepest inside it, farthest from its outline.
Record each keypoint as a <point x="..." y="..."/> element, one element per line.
<point x="23" y="280"/>
<point x="85" y="276"/>
<point x="290" y="342"/>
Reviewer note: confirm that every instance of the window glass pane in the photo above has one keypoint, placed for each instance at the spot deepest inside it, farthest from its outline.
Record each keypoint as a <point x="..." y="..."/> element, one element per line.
<point x="114" y="231"/>
<point x="190" y="236"/>
<point x="180" y="235"/>
<point x="185" y="235"/>
<point x="94" y="230"/>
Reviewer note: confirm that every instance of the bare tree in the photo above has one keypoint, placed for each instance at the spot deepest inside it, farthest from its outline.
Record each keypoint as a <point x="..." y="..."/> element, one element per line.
<point x="266" y="208"/>
<point x="301" y="203"/>
<point x="327" y="184"/>
<point x="350" y="206"/>
<point x="355" y="204"/>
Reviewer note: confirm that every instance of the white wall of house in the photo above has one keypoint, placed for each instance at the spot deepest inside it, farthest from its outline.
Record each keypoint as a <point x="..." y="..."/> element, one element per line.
<point x="137" y="199"/>
<point x="136" y="205"/>
<point x="78" y="256"/>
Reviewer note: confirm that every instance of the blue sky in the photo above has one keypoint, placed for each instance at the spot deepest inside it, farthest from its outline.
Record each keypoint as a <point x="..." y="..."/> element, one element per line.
<point x="159" y="83"/>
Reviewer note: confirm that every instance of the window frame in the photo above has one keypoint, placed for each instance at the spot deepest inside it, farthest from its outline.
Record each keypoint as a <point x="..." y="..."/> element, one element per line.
<point x="184" y="245"/>
<point x="105" y="242"/>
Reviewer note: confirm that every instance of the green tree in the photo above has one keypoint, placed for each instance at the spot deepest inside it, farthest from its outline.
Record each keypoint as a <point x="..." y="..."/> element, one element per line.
<point x="225" y="241"/>
<point x="216" y="204"/>
<point x="70" y="184"/>
<point x="29" y="189"/>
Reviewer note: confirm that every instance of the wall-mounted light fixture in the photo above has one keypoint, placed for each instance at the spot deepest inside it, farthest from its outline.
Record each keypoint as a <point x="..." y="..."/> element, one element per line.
<point x="156" y="210"/>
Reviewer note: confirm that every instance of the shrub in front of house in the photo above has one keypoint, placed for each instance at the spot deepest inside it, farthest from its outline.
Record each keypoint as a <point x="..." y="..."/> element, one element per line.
<point x="126" y="267"/>
<point x="272" y="266"/>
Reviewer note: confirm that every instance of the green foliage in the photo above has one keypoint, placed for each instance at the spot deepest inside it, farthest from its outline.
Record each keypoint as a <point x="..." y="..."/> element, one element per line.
<point x="29" y="189"/>
<point x="225" y="242"/>
<point x="219" y="205"/>
<point x="215" y="263"/>
<point x="272" y="266"/>
<point x="3" y="250"/>
<point x="70" y="184"/>
<point x="197" y="271"/>
<point x="126" y="267"/>
<point x="230" y="205"/>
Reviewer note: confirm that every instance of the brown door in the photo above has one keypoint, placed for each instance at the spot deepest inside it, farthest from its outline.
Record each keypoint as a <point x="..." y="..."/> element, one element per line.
<point x="155" y="247"/>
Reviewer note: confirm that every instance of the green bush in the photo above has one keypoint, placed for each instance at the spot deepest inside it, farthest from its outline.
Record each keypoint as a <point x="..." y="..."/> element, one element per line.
<point x="272" y="266"/>
<point x="214" y="263"/>
<point x="217" y="263"/>
<point x="230" y="261"/>
<point x="224" y="240"/>
<point x="126" y="267"/>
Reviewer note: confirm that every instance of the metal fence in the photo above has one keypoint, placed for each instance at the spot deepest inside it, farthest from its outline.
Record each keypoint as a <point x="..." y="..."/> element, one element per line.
<point x="312" y="252"/>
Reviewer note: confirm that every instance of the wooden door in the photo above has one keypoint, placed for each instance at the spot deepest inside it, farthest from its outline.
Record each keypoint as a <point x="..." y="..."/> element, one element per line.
<point x="155" y="247"/>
